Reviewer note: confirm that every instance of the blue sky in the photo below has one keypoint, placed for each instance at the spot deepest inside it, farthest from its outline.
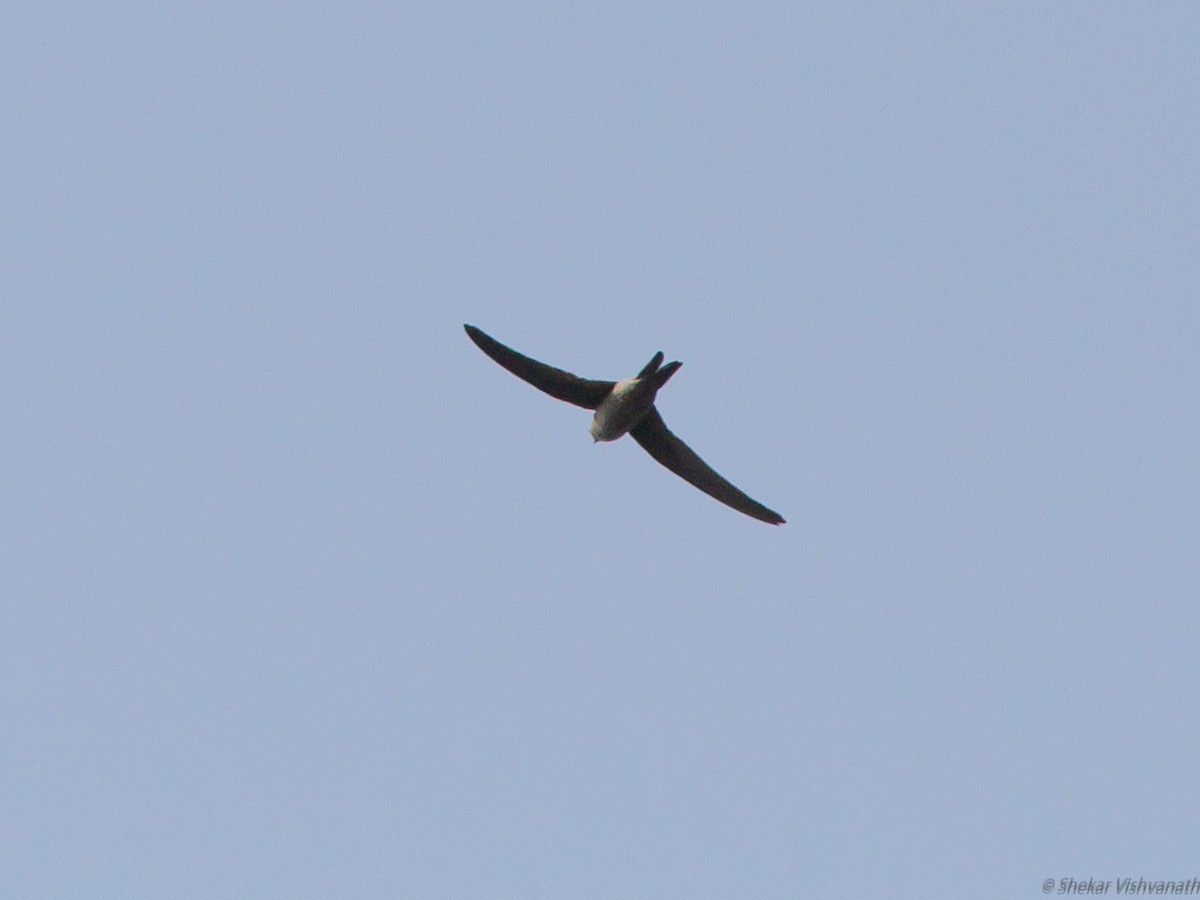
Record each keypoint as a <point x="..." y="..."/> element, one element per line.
<point x="305" y="597"/>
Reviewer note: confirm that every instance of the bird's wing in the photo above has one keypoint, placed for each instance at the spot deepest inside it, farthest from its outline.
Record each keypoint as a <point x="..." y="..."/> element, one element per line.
<point x="659" y="442"/>
<point x="555" y="382"/>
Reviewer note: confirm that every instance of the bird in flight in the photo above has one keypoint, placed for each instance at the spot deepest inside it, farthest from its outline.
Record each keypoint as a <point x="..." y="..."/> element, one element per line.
<point x="627" y="406"/>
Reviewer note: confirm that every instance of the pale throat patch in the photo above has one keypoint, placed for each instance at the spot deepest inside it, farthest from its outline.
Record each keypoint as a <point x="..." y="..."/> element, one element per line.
<point x="609" y="422"/>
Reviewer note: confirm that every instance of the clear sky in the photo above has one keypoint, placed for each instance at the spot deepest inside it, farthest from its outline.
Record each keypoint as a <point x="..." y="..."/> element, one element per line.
<point x="303" y="596"/>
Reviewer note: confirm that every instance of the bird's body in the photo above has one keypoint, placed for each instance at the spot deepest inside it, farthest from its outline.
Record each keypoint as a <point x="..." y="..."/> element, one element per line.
<point x="623" y="408"/>
<point x="626" y="407"/>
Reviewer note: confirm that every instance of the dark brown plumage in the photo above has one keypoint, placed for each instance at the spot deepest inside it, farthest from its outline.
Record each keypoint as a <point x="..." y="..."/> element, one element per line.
<point x="629" y="407"/>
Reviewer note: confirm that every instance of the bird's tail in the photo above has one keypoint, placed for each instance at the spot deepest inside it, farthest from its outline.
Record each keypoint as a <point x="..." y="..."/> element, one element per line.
<point x="661" y="376"/>
<point x="652" y="366"/>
